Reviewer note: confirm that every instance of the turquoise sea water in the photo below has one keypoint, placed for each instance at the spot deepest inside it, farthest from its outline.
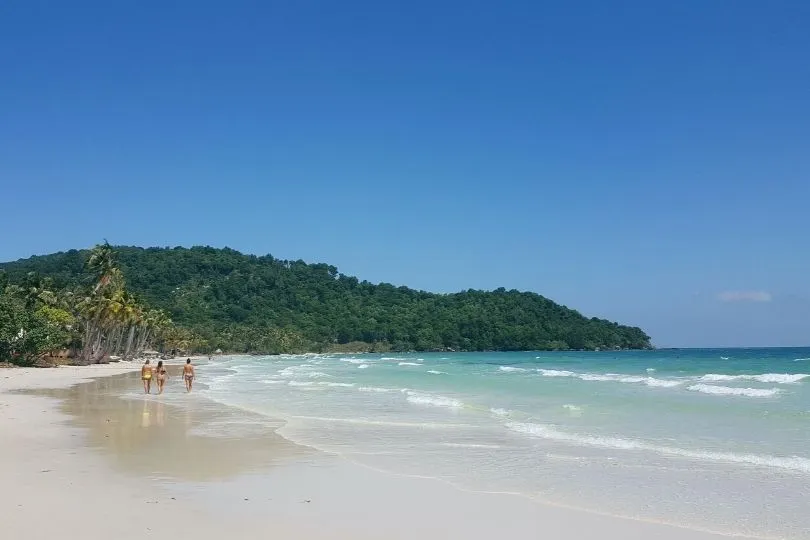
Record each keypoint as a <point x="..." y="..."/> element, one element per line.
<point x="711" y="439"/>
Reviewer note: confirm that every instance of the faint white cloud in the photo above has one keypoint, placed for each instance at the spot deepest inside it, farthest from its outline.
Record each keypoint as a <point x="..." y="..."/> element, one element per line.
<point x="745" y="296"/>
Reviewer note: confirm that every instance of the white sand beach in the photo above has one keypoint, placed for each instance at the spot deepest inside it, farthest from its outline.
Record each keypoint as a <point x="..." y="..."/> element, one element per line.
<point x="79" y="462"/>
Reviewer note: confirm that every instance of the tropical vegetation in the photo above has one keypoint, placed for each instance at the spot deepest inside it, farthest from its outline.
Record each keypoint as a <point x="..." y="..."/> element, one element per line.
<point x="223" y="299"/>
<point x="92" y="319"/>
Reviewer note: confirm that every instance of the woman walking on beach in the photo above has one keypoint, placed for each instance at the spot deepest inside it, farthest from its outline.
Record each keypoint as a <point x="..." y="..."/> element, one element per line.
<point x="146" y="377"/>
<point x="188" y="374"/>
<point x="161" y="376"/>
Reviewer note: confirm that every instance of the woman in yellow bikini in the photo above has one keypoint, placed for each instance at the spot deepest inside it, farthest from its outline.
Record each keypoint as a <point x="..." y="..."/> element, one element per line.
<point x="146" y="377"/>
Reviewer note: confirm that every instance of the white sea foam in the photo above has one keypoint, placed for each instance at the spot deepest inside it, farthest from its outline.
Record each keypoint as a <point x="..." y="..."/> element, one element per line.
<point x="724" y="358"/>
<point x="377" y="390"/>
<point x="362" y="366"/>
<point x="436" y="372"/>
<point x="300" y="383"/>
<point x="273" y="381"/>
<point x="499" y="412"/>
<point x="650" y="370"/>
<point x="510" y="369"/>
<point x="368" y="422"/>
<point x="612" y="377"/>
<point x="572" y="408"/>
<point x="661" y="383"/>
<point x="778" y="378"/>
<point x="431" y="400"/>
<point x="556" y="373"/>
<point x="337" y="384"/>
<point x="293" y="371"/>
<point x="732" y="391"/>
<point x="409" y="364"/>
<point x="230" y="428"/>
<point x="317" y="375"/>
<point x="793" y="463"/>
<point x="801" y="360"/>
<point x="353" y="360"/>
<point x="471" y="445"/>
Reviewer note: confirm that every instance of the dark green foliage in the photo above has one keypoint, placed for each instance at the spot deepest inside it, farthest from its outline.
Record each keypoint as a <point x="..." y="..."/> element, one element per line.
<point x="25" y="334"/>
<point x="247" y="303"/>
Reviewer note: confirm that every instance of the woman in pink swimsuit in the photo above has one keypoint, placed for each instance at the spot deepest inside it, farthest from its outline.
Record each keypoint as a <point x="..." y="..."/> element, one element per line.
<point x="162" y="375"/>
<point x="188" y="374"/>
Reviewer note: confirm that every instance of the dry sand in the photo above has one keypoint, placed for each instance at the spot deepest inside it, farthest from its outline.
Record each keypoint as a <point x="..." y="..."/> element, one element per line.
<point x="77" y="461"/>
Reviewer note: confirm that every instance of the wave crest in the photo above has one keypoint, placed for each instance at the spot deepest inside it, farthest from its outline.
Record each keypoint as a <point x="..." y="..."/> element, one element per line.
<point x="377" y="390"/>
<point x="794" y="463"/>
<point x="612" y="377"/>
<point x="778" y="378"/>
<point x="732" y="391"/>
<point x="433" y="400"/>
<point x="510" y="369"/>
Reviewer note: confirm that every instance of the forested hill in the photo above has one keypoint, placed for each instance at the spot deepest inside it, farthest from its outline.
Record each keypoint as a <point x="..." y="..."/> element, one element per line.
<point x="240" y="302"/>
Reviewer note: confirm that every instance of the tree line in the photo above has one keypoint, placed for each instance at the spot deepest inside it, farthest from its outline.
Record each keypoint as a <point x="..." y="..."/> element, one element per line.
<point x="223" y="299"/>
<point x="90" y="319"/>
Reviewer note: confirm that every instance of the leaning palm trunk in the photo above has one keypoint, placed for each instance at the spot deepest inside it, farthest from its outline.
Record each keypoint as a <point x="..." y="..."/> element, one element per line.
<point x="144" y="341"/>
<point x="131" y="337"/>
<point x="96" y="352"/>
<point x="87" y="345"/>
<point x="93" y="337"/>
<point x="119" y="341"/>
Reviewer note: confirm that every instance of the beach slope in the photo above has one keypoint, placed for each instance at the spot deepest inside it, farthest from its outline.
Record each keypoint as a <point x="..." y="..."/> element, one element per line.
<point x="82" y="463"/>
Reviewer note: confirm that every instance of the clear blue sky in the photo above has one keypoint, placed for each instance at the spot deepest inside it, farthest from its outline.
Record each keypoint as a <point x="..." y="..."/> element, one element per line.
<point x="642" y="161"/>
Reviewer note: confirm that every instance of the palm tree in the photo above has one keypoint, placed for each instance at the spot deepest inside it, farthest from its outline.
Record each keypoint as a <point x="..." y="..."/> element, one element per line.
<point x="102" y="264"/>
<point x="101" y="312"/>
<point x="134" y="319"/>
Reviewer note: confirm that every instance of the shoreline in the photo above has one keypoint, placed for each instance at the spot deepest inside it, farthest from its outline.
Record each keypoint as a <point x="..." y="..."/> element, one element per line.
<point x="308" y="493"/>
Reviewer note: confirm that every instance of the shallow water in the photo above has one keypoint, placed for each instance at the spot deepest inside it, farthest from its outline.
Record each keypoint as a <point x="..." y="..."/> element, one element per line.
<point x="714" y="439"/>
<point x="174" y="436"/>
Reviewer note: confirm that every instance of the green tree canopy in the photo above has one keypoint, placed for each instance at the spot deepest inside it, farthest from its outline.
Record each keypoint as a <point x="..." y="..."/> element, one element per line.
<point x="243" y="302"/>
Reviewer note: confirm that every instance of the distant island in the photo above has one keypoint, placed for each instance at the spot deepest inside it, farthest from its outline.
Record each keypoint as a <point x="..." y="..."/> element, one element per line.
<point x="203" y="299"/>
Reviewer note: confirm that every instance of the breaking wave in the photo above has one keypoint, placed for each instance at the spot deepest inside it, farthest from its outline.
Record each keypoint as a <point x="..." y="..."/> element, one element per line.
<point x="794" y="463"/>
<point x="732" y="391"/>
<point x="778" y="378"/>
<point x="418" y="398"/>
<point x="612" y="377"/>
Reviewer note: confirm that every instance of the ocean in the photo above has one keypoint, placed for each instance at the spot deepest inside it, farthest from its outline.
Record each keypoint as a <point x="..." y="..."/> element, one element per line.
<point x="715" y="439"/>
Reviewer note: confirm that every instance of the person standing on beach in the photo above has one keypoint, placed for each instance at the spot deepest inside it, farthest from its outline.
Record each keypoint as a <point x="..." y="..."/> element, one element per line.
<point x="188" y="374"/>
<point x="146" y="377"/>
<point x="161" y="376"/>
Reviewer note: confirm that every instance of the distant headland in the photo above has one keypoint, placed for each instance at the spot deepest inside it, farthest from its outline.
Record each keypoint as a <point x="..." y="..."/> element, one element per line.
<point x="114" y="300"/>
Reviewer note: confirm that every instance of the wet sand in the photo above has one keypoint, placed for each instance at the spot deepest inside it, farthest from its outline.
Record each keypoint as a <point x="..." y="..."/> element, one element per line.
<point x="145" y="436"/>
<point x="85" y="462"/>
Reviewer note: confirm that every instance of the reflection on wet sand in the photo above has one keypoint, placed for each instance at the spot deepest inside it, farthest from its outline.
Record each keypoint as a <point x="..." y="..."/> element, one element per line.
<point x="147" y="436"/>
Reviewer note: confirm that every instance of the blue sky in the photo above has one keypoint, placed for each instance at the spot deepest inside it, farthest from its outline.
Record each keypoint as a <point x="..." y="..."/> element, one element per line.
<point x="639" y="161"/>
